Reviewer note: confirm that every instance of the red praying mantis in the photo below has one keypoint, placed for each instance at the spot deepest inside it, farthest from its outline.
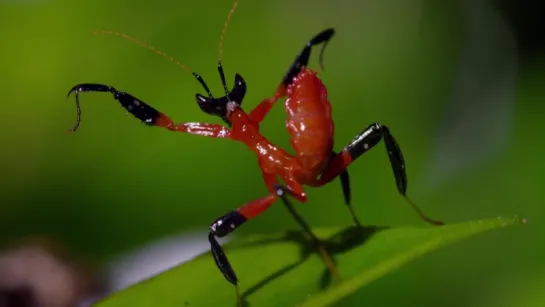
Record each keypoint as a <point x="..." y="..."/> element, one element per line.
<point x="309" y="123"/>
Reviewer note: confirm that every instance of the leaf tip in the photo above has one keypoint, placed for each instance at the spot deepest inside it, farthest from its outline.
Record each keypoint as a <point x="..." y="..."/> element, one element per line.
<point x="519" y="219"/>
<point x="515" y="219"/>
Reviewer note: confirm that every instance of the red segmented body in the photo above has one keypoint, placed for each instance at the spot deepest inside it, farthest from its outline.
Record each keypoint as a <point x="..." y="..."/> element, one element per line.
<point x="309" y="122"/>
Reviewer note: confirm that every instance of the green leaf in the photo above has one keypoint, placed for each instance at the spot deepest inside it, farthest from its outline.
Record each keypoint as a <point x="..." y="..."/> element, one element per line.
<point x="284" y="270"/>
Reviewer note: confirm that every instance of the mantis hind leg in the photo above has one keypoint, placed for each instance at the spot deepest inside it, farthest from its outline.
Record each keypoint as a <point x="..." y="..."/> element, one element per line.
<point x="362" y="143"/>
<point x="300" y="62"/>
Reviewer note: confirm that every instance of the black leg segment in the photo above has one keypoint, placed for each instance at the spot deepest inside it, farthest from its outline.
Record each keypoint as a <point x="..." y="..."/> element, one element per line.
<point x="220" y="228"/>
<point x="368" y="139"/>
<point x="302" y="59"/>
<point x="283" y="192"/>
<point x="142" y="111"/>
<point x="345" y="184"/>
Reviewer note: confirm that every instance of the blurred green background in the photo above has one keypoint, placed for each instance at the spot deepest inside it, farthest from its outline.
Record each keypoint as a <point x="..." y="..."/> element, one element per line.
<point x="116" y="184"/>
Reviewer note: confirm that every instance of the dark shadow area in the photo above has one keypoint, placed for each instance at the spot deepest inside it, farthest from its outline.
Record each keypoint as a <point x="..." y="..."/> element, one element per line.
<point x="18" y="297"/>
<point x="526" y="20"/>
<point x="343" y="242"/>
<point x="268" y="279"/>
<point x="340" y="243"/>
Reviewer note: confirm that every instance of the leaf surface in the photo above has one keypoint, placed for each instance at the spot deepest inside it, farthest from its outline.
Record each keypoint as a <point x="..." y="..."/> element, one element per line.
<point x="283" y="269"/>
